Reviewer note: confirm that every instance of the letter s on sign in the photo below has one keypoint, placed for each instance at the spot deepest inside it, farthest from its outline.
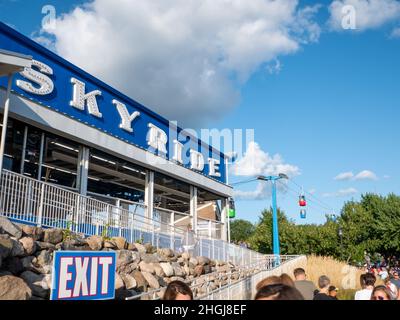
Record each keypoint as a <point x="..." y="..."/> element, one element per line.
<point x="39" y="77"/>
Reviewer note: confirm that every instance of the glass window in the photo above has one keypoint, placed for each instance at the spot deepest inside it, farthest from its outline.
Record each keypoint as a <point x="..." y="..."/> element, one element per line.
<point x="115" y="177"/>
<point x="14" y="145"/>
<point x="171" y="194"/>
<point x="60" y="161"/>
<point x="32" y="153"/>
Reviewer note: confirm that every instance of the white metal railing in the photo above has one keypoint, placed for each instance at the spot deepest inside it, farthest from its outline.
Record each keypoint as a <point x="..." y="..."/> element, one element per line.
<point x="29" y="201"/>
<point x="238" y="284"/>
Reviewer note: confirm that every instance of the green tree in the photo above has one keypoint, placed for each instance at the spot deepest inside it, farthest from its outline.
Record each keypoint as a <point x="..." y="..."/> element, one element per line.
<point x="241" y="230"/>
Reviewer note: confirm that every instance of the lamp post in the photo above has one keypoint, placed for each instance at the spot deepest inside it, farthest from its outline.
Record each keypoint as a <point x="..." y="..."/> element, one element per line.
<point x="341" y="242"/>
<point x="10" y="63"/>
<point x="275" y="229"/>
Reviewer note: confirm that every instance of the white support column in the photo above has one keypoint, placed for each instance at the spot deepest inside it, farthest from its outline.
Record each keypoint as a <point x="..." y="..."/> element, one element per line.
<point x="149" y="193"/>
<point x="224" y="219"/>
<point x="193" y="207"/>
<point x="83" y="170"/>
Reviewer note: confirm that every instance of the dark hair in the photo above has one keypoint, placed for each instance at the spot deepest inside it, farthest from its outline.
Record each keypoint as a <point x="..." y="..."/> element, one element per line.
<point x="286" y="279"/>
<point x="279" y="292"/>
<point x="176" y="287"/>
<point x="370" y="279"/>
<point x="268" y="281"/>
<point x="298" y="272"/>
<point x="332" y="288"/>
<point x="384" y="289"/>
<point x="362" y="280"/>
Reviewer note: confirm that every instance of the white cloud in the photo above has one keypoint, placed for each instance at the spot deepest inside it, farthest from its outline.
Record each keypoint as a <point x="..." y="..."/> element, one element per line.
<point x="257" y="162"/>
<point x="366" y="175"/>
<point x="395" y="33"/>
<point x="370" y="14"/>
<point x="344" y="176"/>
<point x="185" y="59"/>
<point x="341" y="193"/>
<point x="312" y="191"/>
<point x="363" y="175"/>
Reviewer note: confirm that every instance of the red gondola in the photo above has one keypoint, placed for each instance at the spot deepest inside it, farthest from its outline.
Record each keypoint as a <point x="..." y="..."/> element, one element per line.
<point x="302" y="201"/>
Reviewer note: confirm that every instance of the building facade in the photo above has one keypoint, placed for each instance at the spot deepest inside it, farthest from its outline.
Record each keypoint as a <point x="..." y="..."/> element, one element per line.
<point x="70" y="130"/>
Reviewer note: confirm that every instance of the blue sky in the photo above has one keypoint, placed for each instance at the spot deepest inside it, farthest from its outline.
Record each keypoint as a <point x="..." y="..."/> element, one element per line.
<point x="332" y="107"/>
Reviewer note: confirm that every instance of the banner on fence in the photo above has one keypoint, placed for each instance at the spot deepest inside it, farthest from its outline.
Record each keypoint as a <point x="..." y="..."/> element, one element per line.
<point x="83" y="275"/>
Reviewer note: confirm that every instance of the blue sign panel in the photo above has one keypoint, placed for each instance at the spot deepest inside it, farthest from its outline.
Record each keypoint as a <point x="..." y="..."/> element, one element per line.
<point x="59" y="85"/>
<point x="80" y="275"/>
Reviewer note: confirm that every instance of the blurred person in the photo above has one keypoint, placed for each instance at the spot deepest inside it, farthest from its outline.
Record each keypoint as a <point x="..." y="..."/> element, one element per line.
<point x="178" y="290"/>
<point x="381" y="293"/>
<point x="332" y="292"/>
<point x="268" y="281"/>
<point x="396" y="280"/>
<point x="392" y="288"/>
<point x="286" y="279"/>
<point x="368" y="280"/>
<point x="323" y="283"/>
<point x="278" y="292"/>
<point x="306" y="287"/>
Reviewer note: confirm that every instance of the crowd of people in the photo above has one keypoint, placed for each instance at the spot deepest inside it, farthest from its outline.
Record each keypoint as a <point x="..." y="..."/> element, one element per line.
<point x="283" y="287"/>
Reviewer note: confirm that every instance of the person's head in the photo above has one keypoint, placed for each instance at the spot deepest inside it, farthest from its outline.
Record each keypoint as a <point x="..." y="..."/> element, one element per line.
<point x="178" y="290"/>
<point x="324" y="282"/>
<point x="396" y="275"/>
<point x="278" y="292"/>
<point x="381" y="293"/>
<point x="362" y="280"/>
<point x="286" y="279"/>
<point x="268" y="281"/>
<point x="299" y="274"/>
<point x="370" y="280"/>
<point x="333" y="291"/>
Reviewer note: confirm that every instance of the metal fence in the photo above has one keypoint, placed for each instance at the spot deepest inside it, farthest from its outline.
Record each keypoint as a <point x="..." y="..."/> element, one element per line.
<point x="239" y="284"/>
<point x="29" y="201"/>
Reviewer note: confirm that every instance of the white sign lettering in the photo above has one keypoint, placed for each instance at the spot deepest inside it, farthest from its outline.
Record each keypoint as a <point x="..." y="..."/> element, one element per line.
<point x="80" y="98"/>
<point x="39" y="77"/>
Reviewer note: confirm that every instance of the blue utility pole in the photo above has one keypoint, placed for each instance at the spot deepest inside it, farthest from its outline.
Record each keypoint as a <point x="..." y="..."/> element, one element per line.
<point x="275" y="229"/>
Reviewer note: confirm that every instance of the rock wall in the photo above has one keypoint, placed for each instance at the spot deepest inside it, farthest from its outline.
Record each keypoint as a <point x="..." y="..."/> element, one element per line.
<point x="26" y="259"/>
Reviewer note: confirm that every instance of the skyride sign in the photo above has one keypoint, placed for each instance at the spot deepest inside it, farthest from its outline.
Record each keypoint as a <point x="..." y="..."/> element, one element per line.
<point x="81" y="275"/>
<point x="59" y="85"/>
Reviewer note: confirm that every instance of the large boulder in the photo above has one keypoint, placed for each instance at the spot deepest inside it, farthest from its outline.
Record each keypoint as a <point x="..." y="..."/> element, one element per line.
<point x="141" y="283"/>
<point x="167" y="268"/>
<point x="6" y="226"/>
<point x="139" y="247"/>
<point x="146" y="267"/>
<point x="110" y="244"/>
<point x="151" y="280"/>
<point x="149" y="248"/>
<point x="186" y="255"/>
<point x="45" y="246"/>
<point x="44" y="258"/>
<point x="37" y="282"/>
<point x="127" y="261"/>
<point x="193" y="261"/>
<point x="29" y="245"/>
<point x="17" y="249"/>
<point x="203" y="260"/>
<point x="129" y="281"/>
<point x="13" y="265"/>
<point x="120" y="243"/>
<point x="166" y="252"/>
<point x="119" y="283"/>
<point x="198" y="270"/>
<point x="13" y="288"/>
<point x="53" y="236"/>
<point x="6" y="246"/>
<point x="158" y="270"/>
<point x="150" y="258"/>
<point x="178" y="271"/>
<point x="36" y="233"/>
<point x="95" y="242"/>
